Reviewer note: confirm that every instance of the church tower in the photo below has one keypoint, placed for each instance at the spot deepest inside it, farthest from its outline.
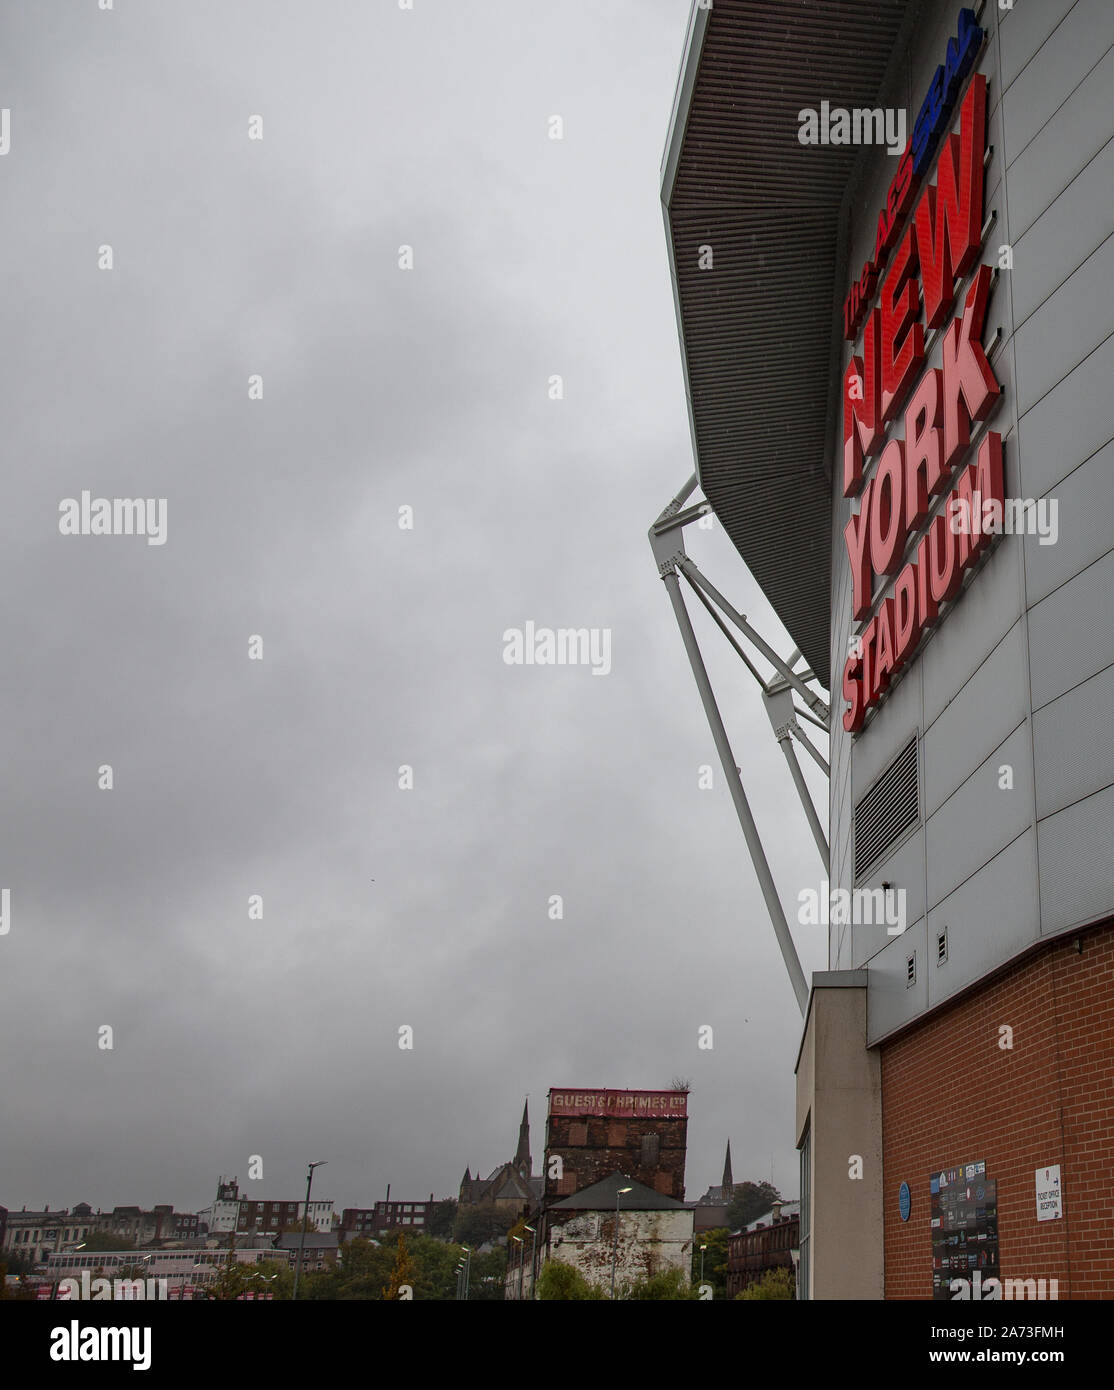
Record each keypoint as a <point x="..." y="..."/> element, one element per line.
<point x="522" y="1159"/>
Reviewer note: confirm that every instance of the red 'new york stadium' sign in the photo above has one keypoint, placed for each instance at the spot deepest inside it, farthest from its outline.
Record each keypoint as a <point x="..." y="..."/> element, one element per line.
<point x="941" y="242"/>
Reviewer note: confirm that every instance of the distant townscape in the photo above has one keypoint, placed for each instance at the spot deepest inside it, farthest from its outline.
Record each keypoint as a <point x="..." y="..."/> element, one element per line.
<point x="605" y="1217"/>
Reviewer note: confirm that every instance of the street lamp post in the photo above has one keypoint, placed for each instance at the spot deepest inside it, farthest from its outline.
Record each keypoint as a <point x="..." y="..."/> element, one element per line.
<point x="305" y="1223"/>
<point x="702" y="1249"/>
<point x="467" y="1269"/>
<point x="615" y="1239"/>
<point x="533" y="1261"/>
<point x="521" y="1259"/>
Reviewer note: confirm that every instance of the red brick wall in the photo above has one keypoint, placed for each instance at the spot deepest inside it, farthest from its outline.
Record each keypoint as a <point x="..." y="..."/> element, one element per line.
<point x="951" y="1095"/>
<point x="592" y="1149"/>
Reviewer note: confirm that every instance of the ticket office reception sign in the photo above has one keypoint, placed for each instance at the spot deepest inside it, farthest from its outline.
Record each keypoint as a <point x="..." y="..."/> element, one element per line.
<point x="1049" y="1204"/>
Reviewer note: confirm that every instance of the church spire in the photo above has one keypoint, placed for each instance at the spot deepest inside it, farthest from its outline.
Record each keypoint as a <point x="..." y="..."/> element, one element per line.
<point x="522" y="1159"/>
<point x="728" y="1184"/>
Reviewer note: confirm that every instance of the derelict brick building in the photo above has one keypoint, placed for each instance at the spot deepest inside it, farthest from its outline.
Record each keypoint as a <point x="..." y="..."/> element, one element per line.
<point x="593" y="1134"/>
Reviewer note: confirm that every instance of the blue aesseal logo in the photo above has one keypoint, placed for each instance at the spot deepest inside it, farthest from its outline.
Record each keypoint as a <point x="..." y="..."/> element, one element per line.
<point x="904" y="1201"/>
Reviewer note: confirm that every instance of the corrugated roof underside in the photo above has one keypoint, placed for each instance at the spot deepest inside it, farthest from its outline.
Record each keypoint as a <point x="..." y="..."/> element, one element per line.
<point x="758" y="326"/>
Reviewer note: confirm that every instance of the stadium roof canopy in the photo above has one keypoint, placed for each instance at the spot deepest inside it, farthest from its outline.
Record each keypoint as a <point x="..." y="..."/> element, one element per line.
<point x="757" y="331"/>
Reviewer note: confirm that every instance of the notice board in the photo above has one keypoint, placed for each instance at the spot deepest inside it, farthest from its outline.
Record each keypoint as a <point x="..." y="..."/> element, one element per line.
<point x="964" y="1223"/>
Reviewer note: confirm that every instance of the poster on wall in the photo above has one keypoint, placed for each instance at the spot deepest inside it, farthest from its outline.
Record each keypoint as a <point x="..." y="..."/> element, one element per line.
<point x="963" y="1217"/>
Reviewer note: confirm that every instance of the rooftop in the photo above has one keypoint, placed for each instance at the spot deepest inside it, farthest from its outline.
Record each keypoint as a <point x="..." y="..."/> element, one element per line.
<point x="602" y="1196"/>
<point x="759" y="337"/>
<point x="788" y="1210"/>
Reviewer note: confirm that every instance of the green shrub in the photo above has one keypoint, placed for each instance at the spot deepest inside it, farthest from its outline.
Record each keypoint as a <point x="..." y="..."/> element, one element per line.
<point x="559" y="1281"/>
<point x="775" y="1283"/>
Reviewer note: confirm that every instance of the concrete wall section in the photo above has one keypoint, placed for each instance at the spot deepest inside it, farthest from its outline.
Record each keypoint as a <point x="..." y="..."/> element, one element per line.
<point x="650" y="1242"/>
<point x="839" y="1104"/>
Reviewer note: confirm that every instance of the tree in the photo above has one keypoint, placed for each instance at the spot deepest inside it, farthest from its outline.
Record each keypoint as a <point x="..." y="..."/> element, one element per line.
<point x="439" y="1222"/>
<point x="13" y="1264"/>
<point x="232" y="1279"/>
<point x="488" y="1275"/>
<point x="751" y="1200"/>
<point x="559" y="1282"/>
<point x="435" y="1262"/>
<point x="670" y="1285"/>
<point x="715" y="1259"/>
<point x="275" y="1277"/>
<point x="403" y="1272"/>
<point x="475" y="1226"/>
<point x="774" y="1284"/>
<point x="17" y="1263"/>
<point x="363" y="1268"/>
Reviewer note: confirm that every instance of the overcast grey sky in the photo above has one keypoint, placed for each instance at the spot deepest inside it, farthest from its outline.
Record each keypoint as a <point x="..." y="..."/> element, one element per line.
<point x="382" y="388"/>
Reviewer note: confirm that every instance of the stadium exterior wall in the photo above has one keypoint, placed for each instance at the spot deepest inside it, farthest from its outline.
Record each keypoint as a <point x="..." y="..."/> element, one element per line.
<point x="1003" y="870"/>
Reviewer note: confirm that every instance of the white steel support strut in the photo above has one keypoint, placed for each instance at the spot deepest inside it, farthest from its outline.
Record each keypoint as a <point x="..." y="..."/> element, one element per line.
<point x="667" y="543"/>
<point x="738" y="795"/>
<point x="819" y="706"/>
<point x="780" y="708"/>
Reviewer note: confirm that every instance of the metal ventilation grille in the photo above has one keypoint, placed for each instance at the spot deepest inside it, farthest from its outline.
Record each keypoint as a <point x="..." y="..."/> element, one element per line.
<point x="888" y="810"/>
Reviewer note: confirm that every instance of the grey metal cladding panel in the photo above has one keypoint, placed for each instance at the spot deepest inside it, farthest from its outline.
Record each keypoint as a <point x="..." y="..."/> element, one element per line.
<point x="987" y="609"/>
<point x="1076" y="857"/>
<point x="1023" y="29"/>
<point x="890" y="1002"/>
<point x="1041" y="171"/>
<point x="980" y="819"/>
<point x="992" y="183"/>
<point x="905" y="870"/>
<point x="1062" y="238"/>
<point x="936" y="25"/>
<point x="1073" y="740"/>
<point x="1085" y="501"/>
<point x="843" y="821"/>
<point x="998" y="319"/>
<point x="1061" y="63"/>
<point x="891" y="727"/>
<point x="992" y="703"/>
<point x="990" y="918"/>
<point x="1071" y="632"/>
<point x="841" y="607"/>
<point x="1067" y="326"/>
<point x="1070" y="424"/>
<point x="843" y="782"/>
<point x="843" y="863"/>
<point x="843" y="870"/>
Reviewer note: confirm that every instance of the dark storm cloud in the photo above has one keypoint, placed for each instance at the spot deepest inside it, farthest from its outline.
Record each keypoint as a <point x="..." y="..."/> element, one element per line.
<point x="381" y="647"/>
